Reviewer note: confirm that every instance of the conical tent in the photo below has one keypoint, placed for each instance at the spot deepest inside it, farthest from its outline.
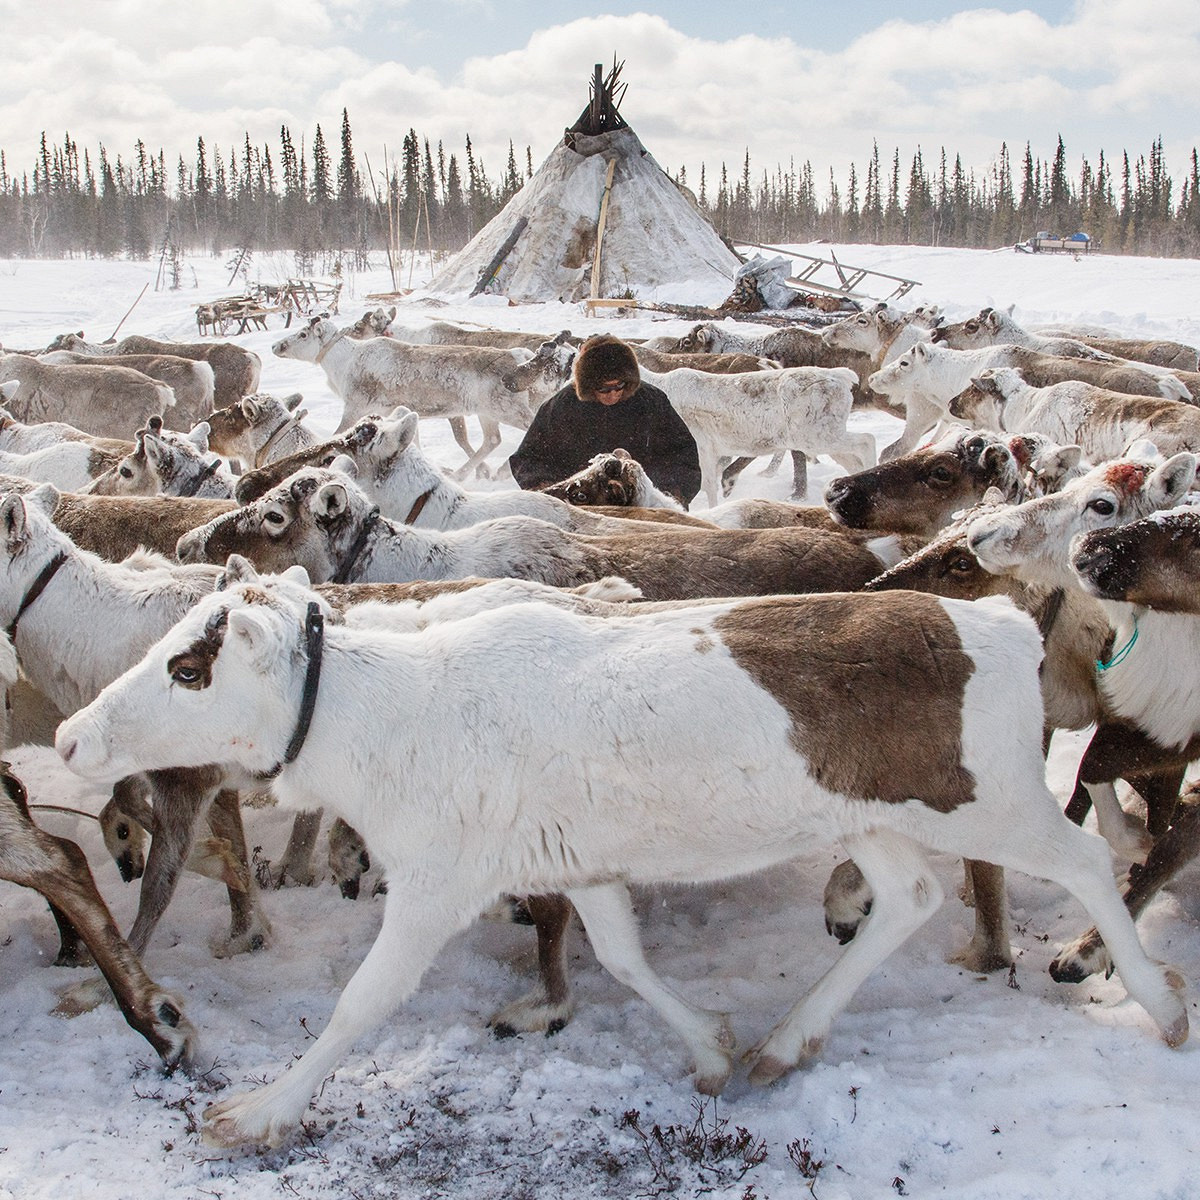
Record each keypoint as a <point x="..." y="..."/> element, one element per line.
<point x="600" y="190"/>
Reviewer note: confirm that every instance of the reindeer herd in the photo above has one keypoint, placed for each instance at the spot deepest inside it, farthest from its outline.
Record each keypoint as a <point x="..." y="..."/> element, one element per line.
<point x="536" y="700"/>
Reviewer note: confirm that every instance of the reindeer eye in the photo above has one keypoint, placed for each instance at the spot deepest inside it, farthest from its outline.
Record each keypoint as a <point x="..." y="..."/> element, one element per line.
<point x="1102" y="507"/>
<point x="941" y="474"/>
<point x="963" y="564"/>
<point x="272" y="517"/>
<point x="187" y="672"/>
<point x="126" y="472"/>
<point x="123" y="832"/>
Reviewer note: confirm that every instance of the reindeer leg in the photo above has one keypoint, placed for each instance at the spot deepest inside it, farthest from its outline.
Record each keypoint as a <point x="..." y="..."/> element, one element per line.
<point x="296" y="866"/>
<point x="607" y="916"/>
<point x="548" y="1007"/>
<point x="988" y="949"/>
<point x="180" y="795"/>
<point x="417" y="921"/>
<point x="57" y="869"/>
<point x="800" y="475"/>
<point x="249" y="929"/>
<point x="458" y="427"/>
<point x="1177" y="847"/>
<point x="71" y="950"/>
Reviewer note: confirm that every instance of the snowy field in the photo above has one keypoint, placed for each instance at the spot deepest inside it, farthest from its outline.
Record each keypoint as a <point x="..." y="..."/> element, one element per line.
<point x="935" y="1082"/>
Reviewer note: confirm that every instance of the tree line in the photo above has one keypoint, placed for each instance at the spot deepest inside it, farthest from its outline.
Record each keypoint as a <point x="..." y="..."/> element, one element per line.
<point x="304" y="198"/>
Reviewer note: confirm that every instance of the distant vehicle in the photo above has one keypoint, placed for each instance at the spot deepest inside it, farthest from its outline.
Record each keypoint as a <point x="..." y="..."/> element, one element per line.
<point x="1077" y="243"/>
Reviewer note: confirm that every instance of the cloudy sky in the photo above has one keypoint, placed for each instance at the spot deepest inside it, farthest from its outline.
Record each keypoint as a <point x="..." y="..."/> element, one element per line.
<point x="708" y="79"/>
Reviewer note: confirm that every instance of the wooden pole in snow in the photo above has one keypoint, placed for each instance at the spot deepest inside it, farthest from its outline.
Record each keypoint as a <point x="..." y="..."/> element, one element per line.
<point x="608" y="178"/>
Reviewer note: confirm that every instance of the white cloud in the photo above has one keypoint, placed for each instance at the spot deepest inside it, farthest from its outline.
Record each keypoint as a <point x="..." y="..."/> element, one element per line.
<point x="1114" y="75"/>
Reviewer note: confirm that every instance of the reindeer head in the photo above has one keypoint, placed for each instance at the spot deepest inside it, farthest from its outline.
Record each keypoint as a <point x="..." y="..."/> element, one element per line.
<point x="1032" y="540"/>
<point x="919" y="492"/>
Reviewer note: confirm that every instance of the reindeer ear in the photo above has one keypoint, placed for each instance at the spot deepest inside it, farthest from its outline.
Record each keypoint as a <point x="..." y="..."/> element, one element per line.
<point x="1169" y="483"/>
<point x="345" y="464"/>
<point x="237" y="570"/>
<point x="1069" y="456"/>
<point x="9" y="388"/>
<point x="199" y="436"/>
<point x="401" y="435"/>
<point x="391" y="312"/>
<point x="297" y="574"/>
<point x="253" y="627"/>
<point x="331" y="500"/>
<point x="994" y="495"/>
<point x="921" y="350"/>
<point x="46" y="496"/>
<point x="13" y="521"/>
<point x="156" y="451"/>
<point x="293" y="402"/>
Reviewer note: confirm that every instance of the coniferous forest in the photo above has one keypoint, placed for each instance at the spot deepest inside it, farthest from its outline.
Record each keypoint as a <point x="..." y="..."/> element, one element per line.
<point x="324" y="202"/>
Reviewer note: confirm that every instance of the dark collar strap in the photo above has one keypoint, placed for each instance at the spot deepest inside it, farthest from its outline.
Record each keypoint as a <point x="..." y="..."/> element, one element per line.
<point x="360" y="544"/>
<point x="1049" y="614"/>
<point x="38" y="586"/>
<point x="419" y="505"/>
<point x="260" y="458"/>
<point x="200" y="480"/>
<point x="314" y="639"/>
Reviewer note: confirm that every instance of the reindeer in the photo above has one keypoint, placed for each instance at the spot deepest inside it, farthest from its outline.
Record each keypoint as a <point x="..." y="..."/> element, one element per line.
<point x="321" y="520"/>
<point x="896" y="724"/>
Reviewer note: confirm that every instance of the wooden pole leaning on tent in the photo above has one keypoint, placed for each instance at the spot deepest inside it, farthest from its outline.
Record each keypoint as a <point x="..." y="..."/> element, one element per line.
<point x="489" y="272"/>
<point x="608" y="179"/>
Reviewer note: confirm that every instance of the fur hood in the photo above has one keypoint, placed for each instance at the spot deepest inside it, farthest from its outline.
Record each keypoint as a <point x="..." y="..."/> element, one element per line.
<point x="602" y="358"/>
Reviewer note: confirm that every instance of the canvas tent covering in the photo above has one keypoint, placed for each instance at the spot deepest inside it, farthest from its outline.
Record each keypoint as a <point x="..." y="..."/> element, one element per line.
<point x="656" y="244"/>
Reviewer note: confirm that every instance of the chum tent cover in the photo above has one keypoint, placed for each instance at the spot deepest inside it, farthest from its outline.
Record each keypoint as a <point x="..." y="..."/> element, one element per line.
<point x="599" y="186"/>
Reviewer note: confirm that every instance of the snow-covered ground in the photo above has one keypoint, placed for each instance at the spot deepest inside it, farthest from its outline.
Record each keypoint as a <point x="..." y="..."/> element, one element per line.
<point x="936" y="1082"/>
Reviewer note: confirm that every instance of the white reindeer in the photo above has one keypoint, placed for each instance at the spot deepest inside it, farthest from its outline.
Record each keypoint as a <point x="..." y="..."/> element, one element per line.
<point x="436" y="381"/>
<point x="1156" y="691"/>
<point x="759" y="412"/>
<point x="1100" y="422"/>
<point x="960" y="771"/>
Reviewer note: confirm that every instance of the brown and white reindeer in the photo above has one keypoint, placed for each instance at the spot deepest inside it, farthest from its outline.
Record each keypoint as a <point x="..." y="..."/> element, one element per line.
<point x="76" y="623"/>
<point x="435" y="381"/>
<point x="918" y="493"/>
<point x="614" y="481"/>
<point x="166" y="463"/>
<point x="896" y="724"/>
<point x="260" y="429"/>
<point x="235" y="369"/>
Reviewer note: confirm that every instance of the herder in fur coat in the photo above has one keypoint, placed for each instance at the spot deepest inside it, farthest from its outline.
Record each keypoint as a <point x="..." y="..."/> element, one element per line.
<point x="606" y="408"/>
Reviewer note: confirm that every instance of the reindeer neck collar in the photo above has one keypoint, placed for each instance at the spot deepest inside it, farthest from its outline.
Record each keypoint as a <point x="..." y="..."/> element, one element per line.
<point x="419" y="505"/>
<point x="329" y="345"/>
<point x="314" y="640"/>
<point x="360" y="544"/>
<point x="260" y="457"/>
<point x="36" y="588"/>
